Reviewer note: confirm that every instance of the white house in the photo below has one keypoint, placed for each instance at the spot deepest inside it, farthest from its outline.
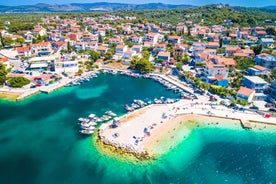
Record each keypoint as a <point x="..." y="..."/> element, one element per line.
<point x="120" y="49"/>
<point x="67" y="66"/>
<point x="212" y="69"/>
<point x="151" y="37"/>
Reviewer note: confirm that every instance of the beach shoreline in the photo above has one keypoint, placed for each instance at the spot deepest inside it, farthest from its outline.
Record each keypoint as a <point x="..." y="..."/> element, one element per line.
<point x="166" y="133"/>
<point x="10" y="96"/>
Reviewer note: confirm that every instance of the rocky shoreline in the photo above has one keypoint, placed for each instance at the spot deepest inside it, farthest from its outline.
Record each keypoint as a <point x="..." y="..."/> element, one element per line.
<point x="122" y="149"/>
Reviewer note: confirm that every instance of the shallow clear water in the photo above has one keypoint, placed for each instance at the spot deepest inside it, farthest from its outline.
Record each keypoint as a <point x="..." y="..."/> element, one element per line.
<point x="40" y="142"/>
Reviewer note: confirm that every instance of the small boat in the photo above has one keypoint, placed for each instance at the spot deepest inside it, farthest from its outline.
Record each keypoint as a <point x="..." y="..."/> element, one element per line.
<point x="81" y="119"/>
<point x="148" y="101"/>
<point x="106" y="117"/>
<point x="110" y="113"/>
<point x="157" y="101"/>
<point x="76" y="84"/>
<point x="87" y="131"/>
<point x="86" y="79"/>
<point x="99" y="120"/>
<point x="163" y="99"/>
<point x="87" y="127"/>
<point x="91" y="116"/>
<point x="128" y="108"/>
<point x="140" y="103"/>
<point x="134" y="106"/>
<point x="114" y="72"/>
<point x="88" y="124"/>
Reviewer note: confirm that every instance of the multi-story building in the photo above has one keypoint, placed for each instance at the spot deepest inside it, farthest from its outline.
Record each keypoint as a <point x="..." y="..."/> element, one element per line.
<point x="266" y="60"/>
<point x="212" y="69"/>
<point x="254" y="82"/>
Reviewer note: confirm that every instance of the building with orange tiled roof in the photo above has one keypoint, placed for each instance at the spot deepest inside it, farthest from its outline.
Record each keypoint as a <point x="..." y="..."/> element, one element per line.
<point x="160" y="47"/>
<point x="230" y="50"/>
<point x="258" y="70"/>
<point x="151" y="37"/>
<point x="180" y="50"/>
<point x="246" y="94"/>
<point x="175" y="39"/>
<point x="266" y="60"/>
<point x="164" y="56"/>
<point x="23" y="51"/>
<point x="120" y="49"/>
<point x="40" y="31"/>
<point x="212" y="45"/>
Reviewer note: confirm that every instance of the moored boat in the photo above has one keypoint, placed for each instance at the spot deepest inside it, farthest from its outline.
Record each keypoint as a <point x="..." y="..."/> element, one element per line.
<point x="110" y="113"/>
<point x="85" y="131"/>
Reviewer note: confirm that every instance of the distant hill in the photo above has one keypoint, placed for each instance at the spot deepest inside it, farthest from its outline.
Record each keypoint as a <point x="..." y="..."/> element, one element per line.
<point x="273" y="7"/>
<point x="87" y="7"/>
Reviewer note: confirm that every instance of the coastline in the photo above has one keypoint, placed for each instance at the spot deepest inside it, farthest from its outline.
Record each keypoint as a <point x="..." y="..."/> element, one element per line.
<point x="10" y="96"/>
<point x="167" y="133"/>
<point x="23" y="93"/>
<point x="18" y="94"/>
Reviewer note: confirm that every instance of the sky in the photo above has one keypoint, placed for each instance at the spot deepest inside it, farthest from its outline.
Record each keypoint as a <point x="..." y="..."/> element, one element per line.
<point x="248" y="3"/>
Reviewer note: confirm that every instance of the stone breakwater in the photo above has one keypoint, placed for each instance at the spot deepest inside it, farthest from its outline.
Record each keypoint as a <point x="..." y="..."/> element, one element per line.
<point x="120" y="148"/>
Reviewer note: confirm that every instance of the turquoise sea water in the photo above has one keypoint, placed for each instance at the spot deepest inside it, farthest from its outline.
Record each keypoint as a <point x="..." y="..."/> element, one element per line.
<point x="40" y="142"/>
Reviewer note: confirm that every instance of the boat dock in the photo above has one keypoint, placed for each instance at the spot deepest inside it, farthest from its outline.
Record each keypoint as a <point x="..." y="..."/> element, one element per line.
<point x="245" y="124"/>
<point x="158" y="76"/>
<point x="176" y="83"/>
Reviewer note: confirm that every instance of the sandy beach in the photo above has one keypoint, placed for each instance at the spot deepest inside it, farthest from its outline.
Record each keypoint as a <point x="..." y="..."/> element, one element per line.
<point x="9" y="95"/>
<point x="155" y="129"/>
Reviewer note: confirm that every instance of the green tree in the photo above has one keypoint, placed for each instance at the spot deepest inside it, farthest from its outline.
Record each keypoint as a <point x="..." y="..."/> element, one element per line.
<point x="108" y="55"/>
<point x="142" y="65"/>
<point x="134" y="61"/>
<point x="166" y="37"/>
<point x="271" y="31"/>
<point x="273" y="74"/>
<point x="18" y="82"/>
<point x="20" y="41"/>
<point x="220" y="42"/>
<point x="100" y="38"/>
<point x="8" y="41"/>
<point x="257" y="49"/>
<point x="179" y="58"/>
<point x="244" y="63"/>
<point x="146" y="54"/>
<point x="94" y="56"/>
<point x="1" y="40"/>
<point x="220" y="51"/>
<point x="178" y="65"/>
<point x="3" y="73"/>
<point x="185" y="59"/>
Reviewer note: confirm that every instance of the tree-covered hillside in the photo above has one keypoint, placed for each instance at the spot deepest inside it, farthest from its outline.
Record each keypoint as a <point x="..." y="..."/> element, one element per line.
<point x="204" y="15"/>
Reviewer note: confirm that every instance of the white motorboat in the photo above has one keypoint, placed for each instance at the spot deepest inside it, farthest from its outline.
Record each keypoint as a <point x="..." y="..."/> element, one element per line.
<point x="110" y="113"/>
<point x="91" y="116"/>
<point x="85" y="131"/>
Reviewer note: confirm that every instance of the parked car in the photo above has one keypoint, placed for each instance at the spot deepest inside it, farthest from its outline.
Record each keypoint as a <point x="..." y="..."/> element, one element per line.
<point x="268" y="105"/>
<point x="254" y="107"/>
<point x="272" y="109"/>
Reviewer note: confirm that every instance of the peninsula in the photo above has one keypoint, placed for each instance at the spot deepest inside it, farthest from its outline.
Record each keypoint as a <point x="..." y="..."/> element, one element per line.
<point x="153" y="130"/>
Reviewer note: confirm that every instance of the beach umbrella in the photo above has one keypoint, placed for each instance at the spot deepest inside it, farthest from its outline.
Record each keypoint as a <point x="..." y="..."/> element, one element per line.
<point x="267" y="115"/>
